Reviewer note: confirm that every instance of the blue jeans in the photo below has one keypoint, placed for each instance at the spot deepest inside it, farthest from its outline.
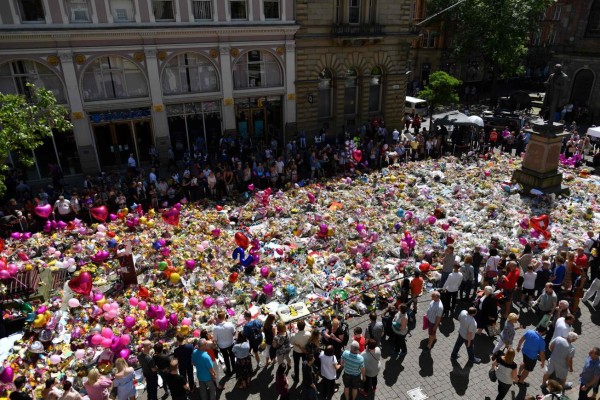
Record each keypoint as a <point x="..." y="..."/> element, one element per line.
<point x="470" y="349"/>
<point x="445" y="276"/>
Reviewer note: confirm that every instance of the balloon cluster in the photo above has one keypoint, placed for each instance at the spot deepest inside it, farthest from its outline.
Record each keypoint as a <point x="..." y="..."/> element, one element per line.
<point x="8" y="271"/>
<point x="239" y="254"/>
<point x="408" y="243"/>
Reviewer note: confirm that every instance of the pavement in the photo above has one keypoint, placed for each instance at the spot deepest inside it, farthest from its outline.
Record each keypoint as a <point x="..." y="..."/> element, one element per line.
<point x="435" y="373"/>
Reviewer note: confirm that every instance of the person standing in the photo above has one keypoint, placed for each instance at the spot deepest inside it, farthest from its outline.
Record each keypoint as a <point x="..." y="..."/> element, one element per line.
<point x="131" y="163"/>
<point x="309" y="381"/>
<point x="447" y="264"/>
<point x="243" y="361"/>
<point x="329" y="368"/>
<point x="372" y="357"/>
<point x="281" y="343"/>
<point x="224" y="333"/>
<point x="508" y="333"/>
<point x="205" y="372"/>
<point x="354" y="371"/>
<point x="534" y="346"/>
<point x="590" y="374"/>
<point x="506" y="371"/>
<point x="374" y="329"/>
<point x="547" y="301"/>
<point x="69" y="393"/>
<point x="149" y="370"/>
<point x="400" y="329"/>
<point x="163" y="364"/>
<point x="434" y="317"/>
<point x="183" y="355"/>
<point x="451" y="288"/>
<point x="466" y="334"/>
<point x="416" y="289"/>
<point x="298" y="342"/>
<point x="560" y="362"/>
<point x="563" y="326"/>
<point x="253" y="331"/>
<point x="177" y="384"/>
<point x="468" y="278"/>
<point x="97" y="386"/>
<point x="510" y="284"/>
<point x="487" y="310"/>
<point x="594" y="290"/>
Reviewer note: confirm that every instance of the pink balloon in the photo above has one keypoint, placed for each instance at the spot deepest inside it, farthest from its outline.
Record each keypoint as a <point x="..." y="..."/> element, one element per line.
<point x="109" y="316"/>
<point x="106" y="343"/>
<point x="160" y="312"/>
<point x="133" y="301"/>
<point x="431" y="220"/>
<point x="161" y="323"/>
<point x="129" y="321"/>
<point x="196" y="333"/>
<point x="15" y="235"/>
<point x="268" y="289"/>
<point x="12" y="269"/>
<point x="264" y="271"/>
<point x="173" y="319"/>
<point x="7" y="375"/>
<point x="124" y="353"/>
<point x="142" y="305"/>
<point x="97" y="339"/>
<point x="208" y="302"/>
<point x="523" y="241"/>
<point x="107" y="333"/>
<point x="106" y="307"/>
<point x="4" y="274"/>
<point x="186" y="322"/>
<point x="190" y="264"/>
<point x="43" y="211"/>
<point x="125" y="340"/>
<point x="114" y="306"/>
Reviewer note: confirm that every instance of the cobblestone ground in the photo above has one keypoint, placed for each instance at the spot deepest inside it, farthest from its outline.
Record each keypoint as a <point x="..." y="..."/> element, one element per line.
<point x="434" y="372"/>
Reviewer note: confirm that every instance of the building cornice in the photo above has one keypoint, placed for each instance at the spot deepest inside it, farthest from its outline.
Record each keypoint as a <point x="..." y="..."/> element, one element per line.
<point x="137" y="33"/>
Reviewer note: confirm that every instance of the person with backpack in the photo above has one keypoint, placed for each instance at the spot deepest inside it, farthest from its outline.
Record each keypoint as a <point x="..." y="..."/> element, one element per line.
<point x="281" y="344"/>
<point x="374" y="329"/>
<point x="253" y="331"/>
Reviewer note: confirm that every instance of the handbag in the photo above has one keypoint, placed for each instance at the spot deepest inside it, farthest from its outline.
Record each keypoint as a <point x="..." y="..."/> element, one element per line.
<point x="425" y="322"/>
<point x="492" y="375"/>
<point x="493" y="330"/>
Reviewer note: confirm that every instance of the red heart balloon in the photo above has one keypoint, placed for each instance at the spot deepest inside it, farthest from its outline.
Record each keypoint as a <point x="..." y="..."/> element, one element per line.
<point x="43" y="211"/>
<point x="241" y="240"/>
<point x="540" y="223"/>
<point x="171" y="216"/>
<point x="143" y="292"/>
<point x="99" y="213"/>
<point x="219" y="208"/>
<point x="82" y="283"/>
<point x="357" y="155"/>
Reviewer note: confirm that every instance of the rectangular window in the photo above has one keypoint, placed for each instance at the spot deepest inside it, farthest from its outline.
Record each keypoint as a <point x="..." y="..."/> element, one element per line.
<point x="354" y="11"/>
<point x="202" y="10"/>
<point x="32" y="11"/>
<point x="429" y="40"/>
<point x="338" y="11"/>
<point x="237" y="9"/>
<point x="373" y="11"/>
<point x="163" y="10"/>
<point x="122" y="10"/>
<point x="271" y="8"/>
<point x="79" y="11"/>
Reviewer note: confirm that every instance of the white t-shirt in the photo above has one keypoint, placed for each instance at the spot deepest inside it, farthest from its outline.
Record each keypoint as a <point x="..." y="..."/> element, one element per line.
<point x="561" y="329"/>
<point x="328" y="366"/>
<point x="529" y="280"/>
<point x="453" y="282"/>
<point x="223" y="334"/>
<point x="63" y="206"/>
<point x="492" y="263"/>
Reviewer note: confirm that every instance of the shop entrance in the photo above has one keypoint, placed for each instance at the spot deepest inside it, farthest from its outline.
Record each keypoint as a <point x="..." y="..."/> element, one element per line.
<point x="259" y="118"/>
<point x="115" y="141"/>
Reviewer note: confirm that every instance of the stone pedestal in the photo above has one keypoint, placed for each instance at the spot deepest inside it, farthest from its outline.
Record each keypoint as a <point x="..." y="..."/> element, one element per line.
<point x="540" y="166"/>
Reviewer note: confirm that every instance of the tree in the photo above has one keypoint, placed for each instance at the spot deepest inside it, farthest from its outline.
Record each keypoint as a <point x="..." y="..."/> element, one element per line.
<point x="24" y="123"/>
<point x="496" y="31"/>
<point x="440" y="91"/>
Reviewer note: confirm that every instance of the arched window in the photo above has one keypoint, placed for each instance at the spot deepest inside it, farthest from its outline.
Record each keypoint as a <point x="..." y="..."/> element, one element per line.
<point x="15" y="75"/>
<point x="375" y="90"/>
<point x="189" y="73"/>
<point x="593" y="26"/>
<point x="113" y="77"/>
<point x="324" y="90"/>
<point x="582" y="87"/>
<point x="350" y="91"/>
<point x="257" y="69"/>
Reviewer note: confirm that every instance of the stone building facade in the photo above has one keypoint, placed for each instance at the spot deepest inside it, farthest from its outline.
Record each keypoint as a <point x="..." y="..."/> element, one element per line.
<point x="351" y="63"/>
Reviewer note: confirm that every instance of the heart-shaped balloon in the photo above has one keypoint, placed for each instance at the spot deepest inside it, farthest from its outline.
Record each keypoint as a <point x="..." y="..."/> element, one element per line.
<point x="171" y="216"/>
<point x="43" y="211"/>
<point x="357" y="155"/>
<point x="99" y="213"/>
<point x="540" y="223"/>
<point x="241" y="240"/>
<point x="82" y="283"/>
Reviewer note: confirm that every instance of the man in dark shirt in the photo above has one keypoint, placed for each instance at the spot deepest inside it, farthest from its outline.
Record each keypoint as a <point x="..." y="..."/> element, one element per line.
<point x="176" y="383"/>
<point x="163" y="364"/>
<point x="183" y="354"/>
<point x="148" y="369"/>
<point x="309" y="387"/>
<point x="19" y="394"/>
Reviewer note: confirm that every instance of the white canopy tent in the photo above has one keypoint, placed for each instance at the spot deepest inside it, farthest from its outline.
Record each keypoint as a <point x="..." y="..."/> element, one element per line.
<point x="594" y="131"/>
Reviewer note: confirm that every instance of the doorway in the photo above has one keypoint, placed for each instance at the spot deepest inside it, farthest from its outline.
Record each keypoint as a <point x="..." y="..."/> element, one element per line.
<point x="116" y="141"/>
<point x="259" y="118"/>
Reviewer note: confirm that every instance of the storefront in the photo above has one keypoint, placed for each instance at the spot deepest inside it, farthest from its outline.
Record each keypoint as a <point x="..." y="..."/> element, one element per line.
<point x="117" y="134"/>
<point x="259" y="118"/>
<point x="194" y="126"/>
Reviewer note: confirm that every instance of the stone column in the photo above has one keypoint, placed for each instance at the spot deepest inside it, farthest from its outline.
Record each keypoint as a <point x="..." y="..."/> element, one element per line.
<point x="228" y="108"/>
<point x="160" y="125"/>
<point x="81" y="125"/>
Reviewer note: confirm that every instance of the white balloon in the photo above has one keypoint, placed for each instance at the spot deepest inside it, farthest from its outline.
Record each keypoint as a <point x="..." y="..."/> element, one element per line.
<point x="72" y="268"/>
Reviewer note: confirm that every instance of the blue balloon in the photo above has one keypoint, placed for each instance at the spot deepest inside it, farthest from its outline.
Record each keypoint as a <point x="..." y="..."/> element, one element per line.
<point x="400" y="213"/>
<point x="291" y="290"/>
<point x="112" y="243"/>
<point x="239" y="253"/>
<point x="156" y="245"/>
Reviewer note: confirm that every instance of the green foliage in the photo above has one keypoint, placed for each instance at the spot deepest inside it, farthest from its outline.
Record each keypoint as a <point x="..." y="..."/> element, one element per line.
<point x="496" y="30"/>
<point x="25" y="122"/>
<point x="441" y="90"/>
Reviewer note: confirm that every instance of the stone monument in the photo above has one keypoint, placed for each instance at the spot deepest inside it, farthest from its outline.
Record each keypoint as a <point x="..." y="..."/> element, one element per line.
<point x="540" y="165"/>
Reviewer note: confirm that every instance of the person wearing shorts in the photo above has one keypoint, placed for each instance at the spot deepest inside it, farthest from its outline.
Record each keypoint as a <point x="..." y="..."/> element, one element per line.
<point x="354" y="370"/>
<point x="534" y="346"/>
<point x="561" y="360"/>
<point x="434" y="317"/>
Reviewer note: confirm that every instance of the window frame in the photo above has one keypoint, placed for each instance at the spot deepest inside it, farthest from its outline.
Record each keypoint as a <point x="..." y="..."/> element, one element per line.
<point x="251" y="71"/>
<point x="230" y="10"/>
<point x="338" y="12"/>
<point x="325" y="76"/>
<point x="173" y="14"/>
<point x="21" y="12"/>
<point x="211" y="6"/>
<point x="31" y="74"/>
<point x="429" y="40"/>
<point x="114" y="13"/>
<point x="278" y="2"/>
<point x="70" y="10"/>
<point x="186" y="69"/>
<point x="118" y="71"/>
<point x="372" y="76"/>
<point x="357" y="8"/>
<point x="351" y="75"/>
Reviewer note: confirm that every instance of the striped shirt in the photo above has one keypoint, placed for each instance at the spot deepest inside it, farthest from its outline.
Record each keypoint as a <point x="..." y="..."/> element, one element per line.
<point x="353" y="363"/>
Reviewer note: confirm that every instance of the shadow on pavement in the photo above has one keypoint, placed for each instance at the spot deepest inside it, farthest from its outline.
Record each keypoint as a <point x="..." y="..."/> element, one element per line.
<point x="459" y="377"/>
<point x="447" y="326"/>
<point x="393" y="368"/>
<point x="483" y="347"/>
<point x="425" y="361"/>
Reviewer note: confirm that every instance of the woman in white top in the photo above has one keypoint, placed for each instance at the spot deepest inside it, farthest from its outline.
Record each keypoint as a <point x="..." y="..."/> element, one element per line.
<point x="329" y="367"/>
<point x="529" y="278"/>
<point x="491" y="266"/>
